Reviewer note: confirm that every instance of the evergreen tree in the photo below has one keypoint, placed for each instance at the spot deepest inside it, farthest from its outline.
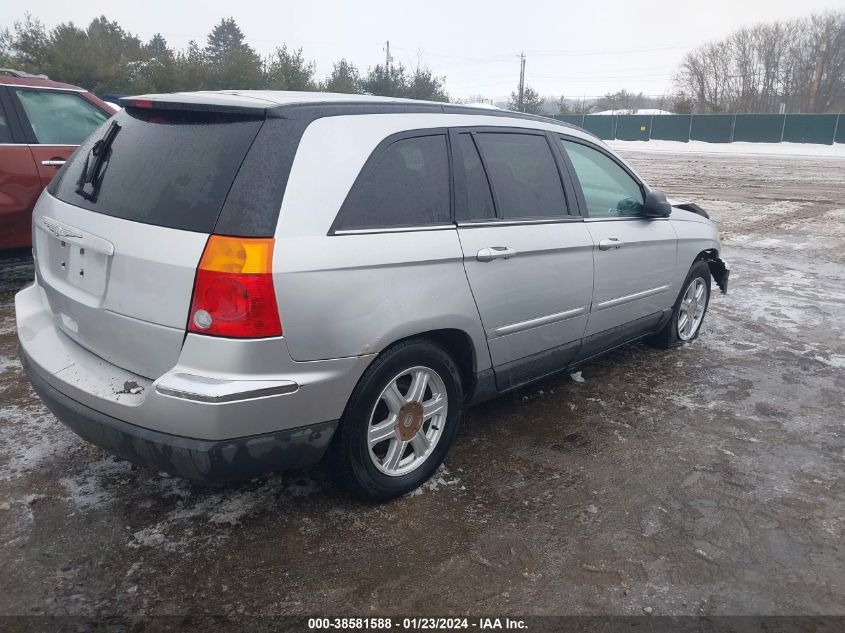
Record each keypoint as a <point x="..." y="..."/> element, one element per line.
<point x="532" y="102"/>
<point x="344" y="78"/>
<point x="288" y="70"/>
<point x="232" y="63"/>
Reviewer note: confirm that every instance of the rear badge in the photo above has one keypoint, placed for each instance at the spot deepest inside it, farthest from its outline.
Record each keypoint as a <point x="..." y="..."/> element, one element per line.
<point x="79" y="238"/>
<point x="59" y="230"/>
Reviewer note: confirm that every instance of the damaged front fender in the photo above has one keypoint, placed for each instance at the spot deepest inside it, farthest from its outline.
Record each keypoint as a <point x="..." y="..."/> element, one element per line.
<point x="721" y="272"/>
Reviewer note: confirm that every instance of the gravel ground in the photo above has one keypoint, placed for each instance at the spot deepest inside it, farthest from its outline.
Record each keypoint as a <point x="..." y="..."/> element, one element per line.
<point x="703" y="480"/>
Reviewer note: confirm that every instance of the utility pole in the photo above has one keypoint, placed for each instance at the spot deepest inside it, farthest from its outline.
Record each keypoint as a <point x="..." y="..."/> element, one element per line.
<point x="387" y="57"/>
<point x="817" y="75"/>
<point x="521" y="102"/>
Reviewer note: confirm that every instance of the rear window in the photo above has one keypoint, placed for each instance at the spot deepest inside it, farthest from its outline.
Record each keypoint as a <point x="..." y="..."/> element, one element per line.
<point x="166" y="167"/>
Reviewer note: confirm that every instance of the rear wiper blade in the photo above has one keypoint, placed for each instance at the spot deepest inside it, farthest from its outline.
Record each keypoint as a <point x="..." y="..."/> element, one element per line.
<point x="92" y="171"/>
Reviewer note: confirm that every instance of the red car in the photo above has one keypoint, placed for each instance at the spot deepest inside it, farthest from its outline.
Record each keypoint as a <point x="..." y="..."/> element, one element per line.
<point x="41" y="123"/>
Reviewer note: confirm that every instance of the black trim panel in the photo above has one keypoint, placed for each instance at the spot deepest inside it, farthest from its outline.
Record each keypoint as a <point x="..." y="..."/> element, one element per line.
<point x="607" y="340"/>
<point x="531" y="368"/>
<point x="563" y="358"/>
<point x="12" y="116"/>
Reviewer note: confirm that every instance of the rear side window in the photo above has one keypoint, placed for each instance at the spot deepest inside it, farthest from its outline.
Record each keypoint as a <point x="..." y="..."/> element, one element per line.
<point x="405" y="183"/>
<point x="59" y="118"/>
<point x="169" y="168"/>
<point x="478" y="201"/>
<point x="524" y="175"/>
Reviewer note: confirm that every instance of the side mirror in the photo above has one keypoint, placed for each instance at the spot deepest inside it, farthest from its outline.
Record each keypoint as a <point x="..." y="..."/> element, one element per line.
<point x="656" y="205"/>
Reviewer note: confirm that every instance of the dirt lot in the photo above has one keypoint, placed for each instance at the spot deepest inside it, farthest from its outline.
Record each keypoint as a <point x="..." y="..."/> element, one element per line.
<point x="704" y="480"/>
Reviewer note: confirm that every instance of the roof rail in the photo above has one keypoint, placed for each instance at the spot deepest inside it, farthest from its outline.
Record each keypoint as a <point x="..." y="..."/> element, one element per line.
<point x="11" y="72"/>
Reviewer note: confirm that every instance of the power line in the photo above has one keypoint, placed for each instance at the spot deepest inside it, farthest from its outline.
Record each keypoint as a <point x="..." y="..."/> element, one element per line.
<point x="648" y="49"/>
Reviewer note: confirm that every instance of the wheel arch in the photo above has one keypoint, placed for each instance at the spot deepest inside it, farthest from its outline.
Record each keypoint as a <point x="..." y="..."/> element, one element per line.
<point x="458" y="343"/>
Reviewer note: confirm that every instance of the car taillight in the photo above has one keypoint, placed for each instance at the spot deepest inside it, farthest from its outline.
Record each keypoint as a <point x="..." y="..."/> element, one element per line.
<point x="233" y="293"/>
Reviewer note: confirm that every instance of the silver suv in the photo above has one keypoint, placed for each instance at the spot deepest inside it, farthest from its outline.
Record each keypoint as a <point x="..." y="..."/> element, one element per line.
<point x="229" y="283"/>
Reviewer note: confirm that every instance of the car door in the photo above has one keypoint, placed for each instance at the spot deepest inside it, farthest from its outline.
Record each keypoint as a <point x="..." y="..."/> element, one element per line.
<point x="19" y="181"/>
<point x="527" y="257"/>
<point x="634" y="256"/>
<point x="55" y="123"/>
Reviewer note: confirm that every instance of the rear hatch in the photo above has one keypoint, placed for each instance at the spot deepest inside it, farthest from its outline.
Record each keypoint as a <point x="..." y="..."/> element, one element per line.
<point x="120" y="232"/>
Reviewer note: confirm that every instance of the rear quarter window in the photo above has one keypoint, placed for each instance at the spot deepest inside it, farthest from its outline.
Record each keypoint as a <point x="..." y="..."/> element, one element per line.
<point x="168" y="168"/>
<point x="405" y="183"/>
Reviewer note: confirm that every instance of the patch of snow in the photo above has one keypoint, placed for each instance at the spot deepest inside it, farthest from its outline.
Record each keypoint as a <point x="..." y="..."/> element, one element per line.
<point x="7" y="325"/>
<point x="835" y="360"/>
<point x="646" y="111"/>
<point x="89" y="490"/>
<point x="577" y="377"/>
<point x="438" y="480"/>
<point x="836" y="151"/>
<point x="216" y="510"/>
<point x="28" y="437"/>
<point x="7" y="363"/>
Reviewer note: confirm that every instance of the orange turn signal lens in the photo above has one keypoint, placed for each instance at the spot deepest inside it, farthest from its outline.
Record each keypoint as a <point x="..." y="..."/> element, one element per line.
<point x="240" y="255"/>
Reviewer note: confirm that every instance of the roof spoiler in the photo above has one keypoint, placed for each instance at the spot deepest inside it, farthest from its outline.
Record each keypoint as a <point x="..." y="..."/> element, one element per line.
<point x="195" y="103"/>
<point x="11" y="72"/>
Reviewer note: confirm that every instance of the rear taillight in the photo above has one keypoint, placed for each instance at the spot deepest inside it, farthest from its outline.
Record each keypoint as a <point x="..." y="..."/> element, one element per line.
<point x="233" y="293"/>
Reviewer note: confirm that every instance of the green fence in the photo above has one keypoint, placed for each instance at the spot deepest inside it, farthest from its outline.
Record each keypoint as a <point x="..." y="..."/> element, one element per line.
<point x="602" y="125"/>
<point x="759" y="128"/>
<point x="635" y="127"/>
<point x="811" y="128"/>
<point x="714" y="128"/>
<point x="671" y="127"/>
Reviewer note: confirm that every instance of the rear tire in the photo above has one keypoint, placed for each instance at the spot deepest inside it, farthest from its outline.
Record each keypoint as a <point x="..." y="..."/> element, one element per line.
<point x="399" y="422"/>
<point x="689" y="309"/>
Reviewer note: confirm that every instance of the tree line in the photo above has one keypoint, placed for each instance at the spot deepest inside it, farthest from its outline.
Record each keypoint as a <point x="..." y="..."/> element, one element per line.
<point x="795" y="64"/>
<point x="105" y="58"/>
<point x="798" y="63"/>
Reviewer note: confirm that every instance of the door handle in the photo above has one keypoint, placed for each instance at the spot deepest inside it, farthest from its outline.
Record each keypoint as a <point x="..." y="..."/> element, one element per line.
<point x="495" y="252"/>
<point x="610" y="242"/>
<point x="53" y="162"/>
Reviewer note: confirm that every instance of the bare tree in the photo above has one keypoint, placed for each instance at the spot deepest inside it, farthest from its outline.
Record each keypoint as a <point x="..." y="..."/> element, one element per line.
<point x="798" y="63"/>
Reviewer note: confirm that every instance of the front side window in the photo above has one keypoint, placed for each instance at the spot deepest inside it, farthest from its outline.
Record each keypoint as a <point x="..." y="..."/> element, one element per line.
<point x="59" y="118"/>
<point x="403" y="184"/>
<point x="524" y="175"/>
<point x="609" y="190"/>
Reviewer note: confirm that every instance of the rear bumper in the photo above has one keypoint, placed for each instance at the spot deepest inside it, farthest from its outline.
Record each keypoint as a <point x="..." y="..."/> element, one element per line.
<point x="197" y="459"/>
<point x="219" y="388"/>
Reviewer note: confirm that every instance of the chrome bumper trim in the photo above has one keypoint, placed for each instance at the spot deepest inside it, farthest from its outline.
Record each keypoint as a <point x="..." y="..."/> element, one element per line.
<point x="218" y="390"/>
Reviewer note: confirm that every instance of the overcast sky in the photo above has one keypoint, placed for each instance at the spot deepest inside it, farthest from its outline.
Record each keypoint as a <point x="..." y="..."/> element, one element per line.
<point x="576" y="48"/>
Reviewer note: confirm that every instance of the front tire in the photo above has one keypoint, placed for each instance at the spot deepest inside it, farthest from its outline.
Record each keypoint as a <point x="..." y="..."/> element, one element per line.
<point x="689" y="309"/>
<point x="399" y="422"/>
